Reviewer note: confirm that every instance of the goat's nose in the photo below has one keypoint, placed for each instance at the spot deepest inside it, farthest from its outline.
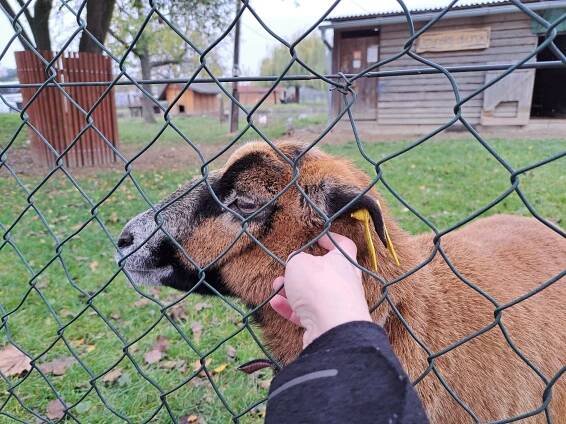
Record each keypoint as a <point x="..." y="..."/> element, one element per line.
<point x="126" y="239"/>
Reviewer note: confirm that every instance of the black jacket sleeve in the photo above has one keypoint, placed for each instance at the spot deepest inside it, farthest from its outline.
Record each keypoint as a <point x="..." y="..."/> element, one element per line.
<point x="347" y="375"/>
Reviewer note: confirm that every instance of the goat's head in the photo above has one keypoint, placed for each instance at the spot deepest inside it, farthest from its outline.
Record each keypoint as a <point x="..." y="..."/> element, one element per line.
<point x="251" y="184"/>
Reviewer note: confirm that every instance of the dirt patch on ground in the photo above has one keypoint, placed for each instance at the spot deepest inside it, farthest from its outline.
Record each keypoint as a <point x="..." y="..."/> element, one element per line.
<point x="183" y="157"/>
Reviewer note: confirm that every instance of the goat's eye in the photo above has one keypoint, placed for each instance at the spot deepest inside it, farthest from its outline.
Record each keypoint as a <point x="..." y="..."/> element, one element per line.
<point x="247" y="207"/>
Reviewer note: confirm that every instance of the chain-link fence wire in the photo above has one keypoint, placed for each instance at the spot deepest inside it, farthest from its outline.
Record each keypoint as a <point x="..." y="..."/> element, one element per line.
<point x="342" y="84"/>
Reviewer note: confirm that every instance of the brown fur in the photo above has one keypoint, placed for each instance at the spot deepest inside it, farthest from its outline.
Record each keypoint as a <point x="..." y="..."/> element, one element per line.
<point x="505" y="256"/>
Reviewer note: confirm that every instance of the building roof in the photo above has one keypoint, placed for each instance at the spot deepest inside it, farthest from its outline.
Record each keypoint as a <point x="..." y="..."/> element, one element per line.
<point x="197" y="87"/>
<point x="366" y="10"/>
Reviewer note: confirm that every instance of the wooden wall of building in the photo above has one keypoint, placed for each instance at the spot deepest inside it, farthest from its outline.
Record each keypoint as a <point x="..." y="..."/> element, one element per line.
<point x="429" y="99"/>
<point x="194" y="103"/>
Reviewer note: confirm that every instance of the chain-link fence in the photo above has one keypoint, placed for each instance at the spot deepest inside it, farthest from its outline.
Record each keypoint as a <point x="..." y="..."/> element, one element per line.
<point x="59" y="229"/>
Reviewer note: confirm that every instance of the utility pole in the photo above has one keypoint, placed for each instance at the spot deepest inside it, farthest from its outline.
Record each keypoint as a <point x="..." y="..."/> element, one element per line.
<point x="235" y="72"/>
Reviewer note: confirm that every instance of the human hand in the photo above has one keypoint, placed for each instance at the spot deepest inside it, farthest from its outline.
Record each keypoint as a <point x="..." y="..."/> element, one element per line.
<point x="321" y="292"/>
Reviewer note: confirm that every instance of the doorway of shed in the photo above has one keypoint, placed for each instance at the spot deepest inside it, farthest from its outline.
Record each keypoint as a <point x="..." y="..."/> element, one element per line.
<point x="549" y="95"/>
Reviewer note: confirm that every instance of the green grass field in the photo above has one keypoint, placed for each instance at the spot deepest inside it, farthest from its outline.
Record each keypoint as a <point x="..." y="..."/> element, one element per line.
<point x="444" y="180"/>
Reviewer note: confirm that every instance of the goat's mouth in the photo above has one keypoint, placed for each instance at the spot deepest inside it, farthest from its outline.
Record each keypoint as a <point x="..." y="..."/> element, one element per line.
<point x="174" y="274"/>
<point x="149" y="276"/>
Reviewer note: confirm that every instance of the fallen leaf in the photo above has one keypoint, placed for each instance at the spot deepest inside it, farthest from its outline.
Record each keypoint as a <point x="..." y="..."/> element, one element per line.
<point x="65" y="313"/>
<point x="190" y="419"/>
<point x="202" y="305"/>
<point x="115" y="316"/>
<point x="155" y="291"/>
<point x="93" y="266"/>
<point x="141" y="302"/>
<point x="78" y="342"/>
<point x="112" y="376"/>
<point x="13" y="362"/>
<point x="90" y="347"/>
<point x="55" y="410"/>
<point x="179" y="365"/>
<point x="156" y="352"/>
<point x="114" y="217"/>
<point x="265" y="384"/>
<point x="152" y="356"/>
<point x="231" y="352"/>
<point x="196" y="328"/>
<point x="178" y="312"/>
<point x="258" y="411"/>
<point x="58" y="366"/>
<point x="219" y="368"/>
<point x="197" y="365"/>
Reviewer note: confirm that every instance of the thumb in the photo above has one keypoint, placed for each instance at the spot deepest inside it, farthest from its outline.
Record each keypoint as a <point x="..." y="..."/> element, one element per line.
<point x="346" y="244"/>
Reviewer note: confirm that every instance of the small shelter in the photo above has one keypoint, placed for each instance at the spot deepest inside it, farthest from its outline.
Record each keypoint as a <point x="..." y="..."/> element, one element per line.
<point x="489" y="33"/>
<point x="197" y="99"/>
<point x="251" y="94"/>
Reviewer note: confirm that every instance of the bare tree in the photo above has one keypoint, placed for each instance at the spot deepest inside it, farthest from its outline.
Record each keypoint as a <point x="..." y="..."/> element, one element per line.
<point x="98" y="18"/>
<point x="38" y="23"/>
<point x="158" y="46"/>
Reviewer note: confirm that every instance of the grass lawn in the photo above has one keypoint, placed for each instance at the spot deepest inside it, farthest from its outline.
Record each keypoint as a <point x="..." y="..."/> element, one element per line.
<point x="199" y="129"/>
<point x="445" y="181"/>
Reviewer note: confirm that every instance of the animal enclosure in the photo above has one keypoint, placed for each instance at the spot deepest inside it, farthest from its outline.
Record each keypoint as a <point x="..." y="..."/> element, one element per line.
<point x="116" y="341"/>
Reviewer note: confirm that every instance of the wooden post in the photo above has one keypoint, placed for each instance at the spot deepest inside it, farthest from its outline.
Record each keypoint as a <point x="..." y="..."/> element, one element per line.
<point x="235" y="72"/>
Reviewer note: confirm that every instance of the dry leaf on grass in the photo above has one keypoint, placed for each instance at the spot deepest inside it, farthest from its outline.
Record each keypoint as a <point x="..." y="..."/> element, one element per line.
<point x="13" y="362"/>
<point x="58" y="366"/>
<point x="197" y="365"/>
<point x="55" y="410"/>
<point x="141" y="302"/>
<point x="112" y="376"/>
<point x="202" y="305"/>
<point x="78" y="342"/>
<point x="191" y="419"/>
<point x="264" y="384"/>
<point x="179" y="365"/>
<point x="115" y="316"/>
<point x="178" y="312"/>
<point x="219" y="368"/>
<point x="231" y="352"/>
<point x="196" y="328"/>
<point x="156" y="352"/>
<point x="93" y="266"/>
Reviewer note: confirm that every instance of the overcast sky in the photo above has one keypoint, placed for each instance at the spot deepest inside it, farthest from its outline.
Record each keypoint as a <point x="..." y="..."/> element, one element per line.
<point x="285" y="17"/>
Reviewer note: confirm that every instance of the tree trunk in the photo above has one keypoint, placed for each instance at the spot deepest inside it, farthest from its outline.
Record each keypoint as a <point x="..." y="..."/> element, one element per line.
<point x="98" y="17"/>
<point x="297" y="94"/>
<point x="39" y="25"/>
<point x="146" y="103"/>
<point x="23" y="36"/>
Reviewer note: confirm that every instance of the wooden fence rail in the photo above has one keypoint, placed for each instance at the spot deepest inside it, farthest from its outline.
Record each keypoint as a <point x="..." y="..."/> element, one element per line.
<point x="58" y="120"/>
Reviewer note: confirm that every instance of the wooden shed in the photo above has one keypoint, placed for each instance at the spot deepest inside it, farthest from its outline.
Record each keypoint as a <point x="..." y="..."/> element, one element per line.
<point x="197" y="99"/>
<point x="481" y="34"/>
<point x="251" y="94"/>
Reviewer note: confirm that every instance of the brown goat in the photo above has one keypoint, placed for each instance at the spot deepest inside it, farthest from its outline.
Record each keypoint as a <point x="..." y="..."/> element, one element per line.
<point x="503" y="256"/>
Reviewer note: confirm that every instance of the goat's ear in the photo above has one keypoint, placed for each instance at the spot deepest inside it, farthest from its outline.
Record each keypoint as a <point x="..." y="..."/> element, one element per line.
<point x="338" y="197"/>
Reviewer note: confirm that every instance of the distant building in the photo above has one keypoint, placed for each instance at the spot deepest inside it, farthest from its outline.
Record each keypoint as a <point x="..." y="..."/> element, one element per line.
<point x="481" y="34"/>
<point x="251" y="94"/>
<point x="197" y="99"/>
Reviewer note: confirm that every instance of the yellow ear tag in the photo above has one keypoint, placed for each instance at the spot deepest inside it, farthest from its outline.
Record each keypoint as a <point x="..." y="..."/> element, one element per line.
<point x="364" y="216"/>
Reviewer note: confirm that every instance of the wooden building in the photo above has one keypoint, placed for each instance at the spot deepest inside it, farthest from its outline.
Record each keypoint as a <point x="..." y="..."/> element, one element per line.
<point x="481" y="34"/>
<point x="251" y="94"/>
<point x="197" y="99"/>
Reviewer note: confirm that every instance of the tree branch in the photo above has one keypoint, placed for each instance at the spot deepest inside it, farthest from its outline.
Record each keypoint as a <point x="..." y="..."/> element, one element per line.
<point x="23" y="36"/>
<point x="165" y="62"/>
<point x="26" y="11"/>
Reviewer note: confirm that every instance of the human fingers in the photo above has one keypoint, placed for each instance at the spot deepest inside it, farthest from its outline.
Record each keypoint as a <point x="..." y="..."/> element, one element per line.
<point x="346" y="244"/>
<point x="281" y="305"/>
